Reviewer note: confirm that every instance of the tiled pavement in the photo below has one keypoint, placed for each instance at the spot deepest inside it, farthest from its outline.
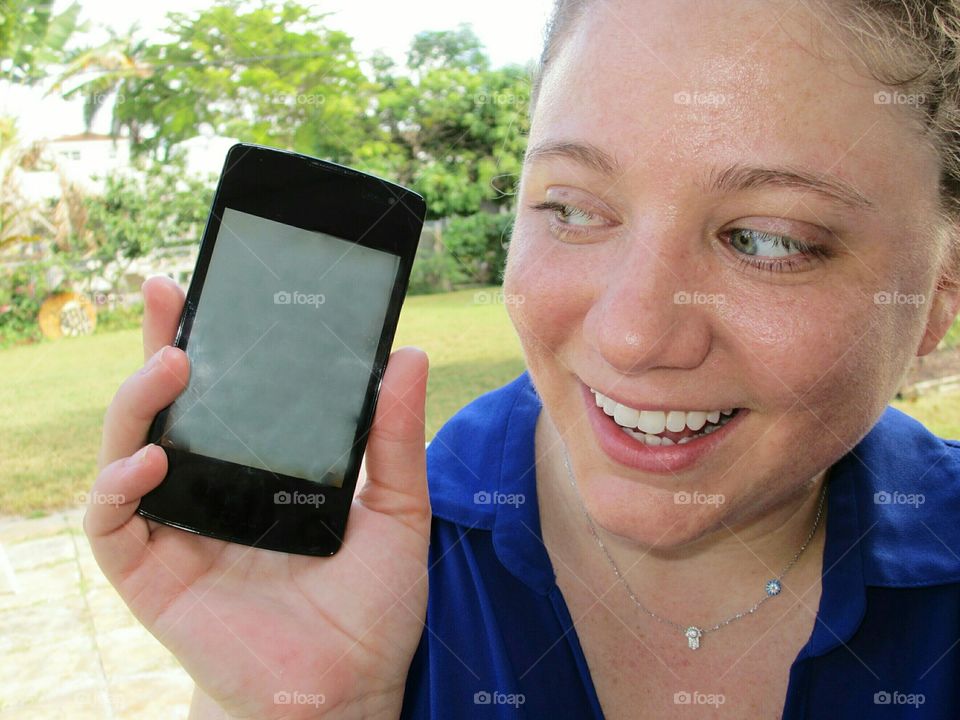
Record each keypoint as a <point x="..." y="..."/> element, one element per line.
<point x="69" y="647"/>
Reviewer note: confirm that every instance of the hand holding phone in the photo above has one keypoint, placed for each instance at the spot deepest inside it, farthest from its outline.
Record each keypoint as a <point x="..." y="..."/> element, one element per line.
<point x="263" y="633"/>
<point x="256" y="627"/>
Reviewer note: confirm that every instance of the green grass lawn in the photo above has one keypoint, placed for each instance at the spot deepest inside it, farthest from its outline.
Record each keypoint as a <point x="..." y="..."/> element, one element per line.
<point x="54" y="394"/>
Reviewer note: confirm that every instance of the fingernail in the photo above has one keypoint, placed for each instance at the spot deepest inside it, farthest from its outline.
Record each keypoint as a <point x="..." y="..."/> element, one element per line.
<point x="140" y="456"/>
<point x="157" y="358"/>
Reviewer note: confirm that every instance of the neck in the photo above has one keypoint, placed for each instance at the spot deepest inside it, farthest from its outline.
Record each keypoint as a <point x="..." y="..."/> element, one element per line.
<point x="703" y="581"/>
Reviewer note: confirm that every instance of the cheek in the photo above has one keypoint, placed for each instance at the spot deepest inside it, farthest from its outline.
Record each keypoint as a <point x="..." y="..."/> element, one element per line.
<point x="548" y="296"/>
<point x="823" y="356"/>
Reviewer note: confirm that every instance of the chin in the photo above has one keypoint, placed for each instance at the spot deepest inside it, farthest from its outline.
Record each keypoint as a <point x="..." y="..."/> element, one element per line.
<point x="652" y="517"/>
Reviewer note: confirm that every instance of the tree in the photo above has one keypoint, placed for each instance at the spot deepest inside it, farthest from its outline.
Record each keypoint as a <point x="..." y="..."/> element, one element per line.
<point x="32" y="36"/>
<point x="456" y="130"/>
<point x="265" y="73"/>
<point x="434" y="49"/>
<point x="479" y="244"/>
<point x="105" y="72"/>
<point x="135" y="215"/>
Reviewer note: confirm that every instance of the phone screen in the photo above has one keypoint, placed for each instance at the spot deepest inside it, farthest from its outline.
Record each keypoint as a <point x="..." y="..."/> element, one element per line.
<point x="282" y="348"/>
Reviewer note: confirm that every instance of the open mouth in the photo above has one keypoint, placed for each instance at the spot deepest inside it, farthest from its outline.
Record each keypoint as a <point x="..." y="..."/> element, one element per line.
<point x="657" y="427"/>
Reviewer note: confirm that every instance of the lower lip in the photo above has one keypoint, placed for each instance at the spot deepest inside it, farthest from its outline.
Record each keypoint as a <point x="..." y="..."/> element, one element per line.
<point x="661" y="459"/>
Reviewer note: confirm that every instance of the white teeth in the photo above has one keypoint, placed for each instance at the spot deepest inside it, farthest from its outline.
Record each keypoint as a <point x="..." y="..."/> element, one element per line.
<point x="625" y="416"/>
<point x="696" y="420"/>
<point x="647" y="439"/>
<point x="676" y="420"/>
<point x="656" y="440"/>
<point x="654" y="422"/>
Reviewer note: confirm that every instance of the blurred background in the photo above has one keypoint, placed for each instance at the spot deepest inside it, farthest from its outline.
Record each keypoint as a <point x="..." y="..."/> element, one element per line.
<point x="114" y="122"/>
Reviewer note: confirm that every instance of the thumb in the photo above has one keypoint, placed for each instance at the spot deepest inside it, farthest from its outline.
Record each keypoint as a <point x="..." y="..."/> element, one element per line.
<point x="395" y="459"/>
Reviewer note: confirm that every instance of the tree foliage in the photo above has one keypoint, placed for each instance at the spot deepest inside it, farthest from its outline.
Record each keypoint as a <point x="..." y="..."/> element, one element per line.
<point x="268" y="74"/>
<point x="136" y="214"/>
<point x="32" y="37"/>
<point x="447" y="124"/>
<point x="105" y="72"/>
<point x="479" y="245"/>
<point x="460" y="48"/>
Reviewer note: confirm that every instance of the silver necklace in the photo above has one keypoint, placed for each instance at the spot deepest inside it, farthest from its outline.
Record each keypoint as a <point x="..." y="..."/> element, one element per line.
<point x="693" y="633"/>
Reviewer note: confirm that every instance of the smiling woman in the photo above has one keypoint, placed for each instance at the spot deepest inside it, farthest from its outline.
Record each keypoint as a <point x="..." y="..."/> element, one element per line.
<point x="719" y="205"/>
<point x="737" y="223"/>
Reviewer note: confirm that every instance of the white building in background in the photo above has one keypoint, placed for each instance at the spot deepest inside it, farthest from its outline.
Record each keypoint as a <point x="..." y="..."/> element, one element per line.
<point x="87" y="158"/>
<point x="81" y="159"/>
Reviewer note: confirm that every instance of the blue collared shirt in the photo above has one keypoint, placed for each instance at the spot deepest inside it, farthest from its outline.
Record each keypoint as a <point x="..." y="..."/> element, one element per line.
<point x="499" y="641"/>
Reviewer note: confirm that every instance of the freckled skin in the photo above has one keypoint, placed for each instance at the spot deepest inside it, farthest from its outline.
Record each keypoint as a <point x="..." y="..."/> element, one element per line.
<point x="809" y="352"/>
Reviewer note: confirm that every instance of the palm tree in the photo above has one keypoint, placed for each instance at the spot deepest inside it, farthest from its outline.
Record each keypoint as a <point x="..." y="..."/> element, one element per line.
<point x="32" y="36"/>
<point x="106" y="71"/>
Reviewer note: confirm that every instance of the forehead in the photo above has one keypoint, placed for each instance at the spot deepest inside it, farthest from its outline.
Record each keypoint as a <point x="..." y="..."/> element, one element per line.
<point x="688" y="82"/>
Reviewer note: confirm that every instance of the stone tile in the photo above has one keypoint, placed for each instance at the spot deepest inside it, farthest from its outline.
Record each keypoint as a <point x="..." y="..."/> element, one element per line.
<point x="48" y="583"/>
<point x="132" y="651"/>
<point x="91" y="704"/>
<point x="42" y="622"/>
<point x="52" y="550"/>
<point x="69" y="646"/>
<point x="15" y="530"/>
<point x="163" y="696"/>
<point x="45" y="668"/>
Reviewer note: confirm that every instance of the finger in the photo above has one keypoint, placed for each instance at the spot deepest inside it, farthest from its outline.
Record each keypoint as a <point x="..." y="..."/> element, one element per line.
<point x="118" y="536"/>
<point x="395" y="461"/>
<point x="115" y="495"/>
<point x="162" y="305"/>
<point x="139" y="399"/>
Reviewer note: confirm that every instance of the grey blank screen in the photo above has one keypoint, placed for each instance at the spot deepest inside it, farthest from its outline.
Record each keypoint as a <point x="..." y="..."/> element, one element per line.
<point x="282" y="348"/>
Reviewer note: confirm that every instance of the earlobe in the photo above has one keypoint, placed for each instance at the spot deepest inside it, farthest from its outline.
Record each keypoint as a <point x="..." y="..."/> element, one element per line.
<point x="944" y="307"/>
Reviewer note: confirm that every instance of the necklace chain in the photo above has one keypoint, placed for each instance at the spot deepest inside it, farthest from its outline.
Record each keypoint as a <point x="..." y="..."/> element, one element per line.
<point x="691" y="632"/>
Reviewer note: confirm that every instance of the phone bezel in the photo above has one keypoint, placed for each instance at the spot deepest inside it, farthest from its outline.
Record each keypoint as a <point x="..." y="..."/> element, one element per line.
<point x="235" y="502"/>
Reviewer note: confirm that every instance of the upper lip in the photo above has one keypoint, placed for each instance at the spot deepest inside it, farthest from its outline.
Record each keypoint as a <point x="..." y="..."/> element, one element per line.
<point x="654" y="406"/>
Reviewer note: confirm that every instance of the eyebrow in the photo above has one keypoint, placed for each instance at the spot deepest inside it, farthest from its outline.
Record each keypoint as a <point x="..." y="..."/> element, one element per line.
<point x="733" y="178"/>
<point x="585" y="154"/>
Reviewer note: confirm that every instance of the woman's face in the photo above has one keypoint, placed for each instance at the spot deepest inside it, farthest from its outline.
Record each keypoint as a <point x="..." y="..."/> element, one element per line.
<point x="658" y="254"/>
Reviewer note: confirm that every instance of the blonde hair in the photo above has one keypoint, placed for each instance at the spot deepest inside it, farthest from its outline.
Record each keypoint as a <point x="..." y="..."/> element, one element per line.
<point x="912" y="46"/>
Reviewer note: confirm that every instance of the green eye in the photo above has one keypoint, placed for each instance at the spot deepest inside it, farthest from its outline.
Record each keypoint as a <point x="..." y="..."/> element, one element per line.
<point x="753" y="242"/>
<point x="782" y="253"/>
<point x="569" y="214"/>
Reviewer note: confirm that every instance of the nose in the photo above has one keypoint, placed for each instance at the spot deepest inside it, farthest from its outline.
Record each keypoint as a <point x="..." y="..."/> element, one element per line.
<point x="652" y="307"/>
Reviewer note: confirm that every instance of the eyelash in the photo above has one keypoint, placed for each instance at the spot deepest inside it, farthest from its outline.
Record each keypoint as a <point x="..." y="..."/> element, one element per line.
<point x="810" y="252"/>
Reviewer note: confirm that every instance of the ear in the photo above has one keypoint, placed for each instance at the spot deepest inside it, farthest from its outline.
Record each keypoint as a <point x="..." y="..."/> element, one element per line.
<point x="944" y="307"/>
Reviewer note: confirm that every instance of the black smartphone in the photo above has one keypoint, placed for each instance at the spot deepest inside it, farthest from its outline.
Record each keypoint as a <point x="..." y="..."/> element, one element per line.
<point x="288" y="324"/>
